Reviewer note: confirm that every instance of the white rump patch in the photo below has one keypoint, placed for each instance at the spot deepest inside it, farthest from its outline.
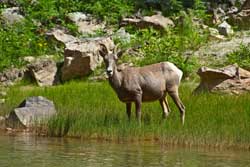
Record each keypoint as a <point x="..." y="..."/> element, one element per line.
<point x="176" y="69"/>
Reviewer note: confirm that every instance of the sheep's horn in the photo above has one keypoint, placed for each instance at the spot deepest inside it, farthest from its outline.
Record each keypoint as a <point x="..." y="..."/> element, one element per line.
<point x="103" y="51"/>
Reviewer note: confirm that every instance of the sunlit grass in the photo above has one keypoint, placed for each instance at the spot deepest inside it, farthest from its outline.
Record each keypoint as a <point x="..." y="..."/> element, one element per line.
<point x="92" y="110"/>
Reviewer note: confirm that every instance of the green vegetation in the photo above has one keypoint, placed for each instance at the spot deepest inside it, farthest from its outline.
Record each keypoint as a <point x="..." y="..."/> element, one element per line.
<point x="92" y="110"/>
<point x="170" y="45"/>
<point x="29" y="38"/>
<point x="241" y="57"/>
<point x="19" y="41"/>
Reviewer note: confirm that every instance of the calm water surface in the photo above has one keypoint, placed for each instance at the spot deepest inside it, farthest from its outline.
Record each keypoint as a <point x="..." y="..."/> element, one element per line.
<point x="28" y="151"/>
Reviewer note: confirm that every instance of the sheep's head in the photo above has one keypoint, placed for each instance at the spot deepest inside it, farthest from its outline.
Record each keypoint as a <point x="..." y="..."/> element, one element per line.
<point x="110" y="58"/>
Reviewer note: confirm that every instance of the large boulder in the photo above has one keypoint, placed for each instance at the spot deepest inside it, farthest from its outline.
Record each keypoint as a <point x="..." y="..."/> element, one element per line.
<point x="11" y="15"/>
<point x="231" y="79"/>
<point x="44" y="72"/>
<point x="85" y="22"/>
<point x="33" y="111"/>
<point x="156" y="21"/>
<point x="81" y="58"/>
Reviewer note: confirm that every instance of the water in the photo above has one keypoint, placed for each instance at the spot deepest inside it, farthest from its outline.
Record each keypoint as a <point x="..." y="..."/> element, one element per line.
<point x="30" y="151"/>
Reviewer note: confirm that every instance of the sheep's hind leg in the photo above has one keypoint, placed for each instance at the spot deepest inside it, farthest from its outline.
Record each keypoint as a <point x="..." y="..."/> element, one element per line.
<point x="165" y="108"/>
<point x="175" y="96"/>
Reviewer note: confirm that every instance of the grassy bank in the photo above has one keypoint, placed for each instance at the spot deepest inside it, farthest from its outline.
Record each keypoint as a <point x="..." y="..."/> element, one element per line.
<point x="92" y="110"/>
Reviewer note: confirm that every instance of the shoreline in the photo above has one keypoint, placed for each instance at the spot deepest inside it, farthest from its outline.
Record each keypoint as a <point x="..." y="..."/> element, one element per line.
<point x="119" y="140"/>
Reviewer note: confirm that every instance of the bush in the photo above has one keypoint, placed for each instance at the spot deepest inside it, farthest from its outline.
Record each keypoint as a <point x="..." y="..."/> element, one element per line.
<point x="19" y="41"/>
<point x="28" y="39"/>
<point x="240" y="56"/>
<point x="170" y="45"/>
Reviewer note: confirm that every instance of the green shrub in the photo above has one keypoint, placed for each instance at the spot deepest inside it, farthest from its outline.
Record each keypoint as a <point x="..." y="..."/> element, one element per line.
<point x="18" y="41"/>
<point x="169" y="45"/>
<point x="110" y="11"/>
<point x="240" y="56"/>
<point x="29" y="39"/>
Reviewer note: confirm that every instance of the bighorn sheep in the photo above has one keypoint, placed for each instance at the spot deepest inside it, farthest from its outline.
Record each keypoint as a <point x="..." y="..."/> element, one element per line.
<point x="142" y="84"/>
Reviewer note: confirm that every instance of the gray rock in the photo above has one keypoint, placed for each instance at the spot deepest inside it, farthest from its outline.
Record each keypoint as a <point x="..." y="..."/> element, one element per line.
<point x="218" y="15"/>
<point x="10" y="76"/>
<point x="241" y="19"/>
<point x="225" y="29"/>
<point x="33" y="111"/>
<point x="9" y="2"/>
<point x="11" y="15"/>
<point x="232" y="10"/>
<point x="214" y="34"/>
<point x="81" y="58"/>
<point x="122" y="35"/>
<point x="218" y="50"/>
<point x="29" y="59"/>
<point x="79" y="16"/>
<point x="44" y="72"/>
<point x="61" y="36"/>
<point x="85" y="22"/>
<point x="156" y="21"/>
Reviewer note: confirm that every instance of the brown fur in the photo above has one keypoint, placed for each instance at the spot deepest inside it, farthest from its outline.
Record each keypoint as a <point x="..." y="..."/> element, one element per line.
<point x="142" y="84"/>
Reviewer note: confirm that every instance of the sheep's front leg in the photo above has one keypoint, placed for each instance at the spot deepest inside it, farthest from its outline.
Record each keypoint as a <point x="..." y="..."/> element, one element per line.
<point x="138" y="102"/>
<point x="128" y="109"/>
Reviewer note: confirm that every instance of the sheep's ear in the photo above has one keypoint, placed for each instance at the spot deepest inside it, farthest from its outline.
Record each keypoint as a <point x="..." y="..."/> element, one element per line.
<point x="103" y="50"/>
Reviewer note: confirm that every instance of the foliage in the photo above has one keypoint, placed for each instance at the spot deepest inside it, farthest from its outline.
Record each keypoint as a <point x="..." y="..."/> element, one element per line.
<point x="29" y="39"/>
<point x="51" y="12"/>
<point x="19" y="41"/>
<point x="170" y="45"/>
<point x="240" y="56"/>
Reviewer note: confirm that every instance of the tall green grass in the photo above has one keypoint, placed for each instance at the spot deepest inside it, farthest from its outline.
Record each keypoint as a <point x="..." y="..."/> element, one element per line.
<point x="92" y="110"/>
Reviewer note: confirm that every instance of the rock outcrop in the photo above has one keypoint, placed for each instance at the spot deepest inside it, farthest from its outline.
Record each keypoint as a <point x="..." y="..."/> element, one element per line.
<point x="219" y="49"/>
<point x="231" y="79"/>
<point x="33" y="111"/>
<point x="156" y="21"/>
<point x="81" y="58"/>
<point x="61" y="36"/>
<point x="85" y="22"/>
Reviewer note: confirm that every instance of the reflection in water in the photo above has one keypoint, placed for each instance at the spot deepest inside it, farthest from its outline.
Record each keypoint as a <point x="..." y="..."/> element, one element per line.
<point x="25" y="150"/>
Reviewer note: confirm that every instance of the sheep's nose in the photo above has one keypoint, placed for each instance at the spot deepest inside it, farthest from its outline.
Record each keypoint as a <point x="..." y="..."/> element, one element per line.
<point x="109" y="71"/>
